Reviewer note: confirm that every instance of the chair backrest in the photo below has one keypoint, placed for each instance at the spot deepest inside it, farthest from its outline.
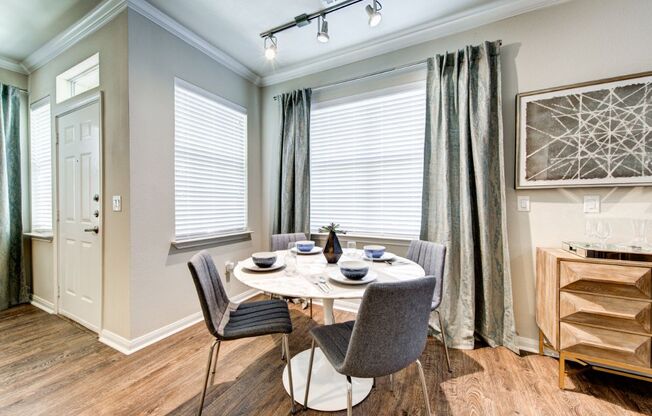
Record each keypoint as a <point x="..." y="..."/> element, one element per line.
<point x="432" y="257"/>
<point x="214" y="301"/>
<point x="281" y="241"/>
<point x="391" y="328"/>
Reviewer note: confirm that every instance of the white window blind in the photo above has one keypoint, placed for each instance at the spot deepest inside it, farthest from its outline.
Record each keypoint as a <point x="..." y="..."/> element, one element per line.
<point x="41" y="166"/>
<point x="210" y="164"/>
<point x="366" y="163"/>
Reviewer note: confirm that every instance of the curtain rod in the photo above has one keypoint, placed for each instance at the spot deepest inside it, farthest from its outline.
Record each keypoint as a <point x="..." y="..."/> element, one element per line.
<point x="369" y="75"/>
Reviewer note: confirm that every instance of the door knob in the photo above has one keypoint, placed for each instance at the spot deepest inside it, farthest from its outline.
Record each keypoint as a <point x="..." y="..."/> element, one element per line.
<point x="95" y="229"/>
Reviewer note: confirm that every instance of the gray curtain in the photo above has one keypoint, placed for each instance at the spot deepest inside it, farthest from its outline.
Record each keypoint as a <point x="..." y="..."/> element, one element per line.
<point x="464" y="196"/>
<point x="293" y="211"/>
<point x="13" y="286"/>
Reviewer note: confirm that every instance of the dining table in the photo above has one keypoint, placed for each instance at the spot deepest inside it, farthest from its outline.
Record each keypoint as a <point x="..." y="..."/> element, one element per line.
<point x="313" y="278"/>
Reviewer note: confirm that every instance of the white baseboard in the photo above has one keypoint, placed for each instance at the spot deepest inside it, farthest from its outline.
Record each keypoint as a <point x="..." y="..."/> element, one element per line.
<point x="41" y="303"/>
<point x="127" y="346"/>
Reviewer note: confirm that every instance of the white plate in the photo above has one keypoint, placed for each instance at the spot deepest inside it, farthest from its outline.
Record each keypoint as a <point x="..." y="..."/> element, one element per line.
<point x="337" y="276"/>
<point x="386" y="256"/>
<point x="251" y="266"/>
<point x="315" y="250"/>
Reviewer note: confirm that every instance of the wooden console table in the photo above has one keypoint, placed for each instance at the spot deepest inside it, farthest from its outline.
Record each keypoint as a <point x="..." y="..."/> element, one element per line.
<point x="595" y="312"/>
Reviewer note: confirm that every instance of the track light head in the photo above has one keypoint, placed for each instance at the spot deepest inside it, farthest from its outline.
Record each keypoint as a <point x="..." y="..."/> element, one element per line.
<point x="271" y="48"/>
<point x="322" y="33"/>
<point x="373" y="10"/>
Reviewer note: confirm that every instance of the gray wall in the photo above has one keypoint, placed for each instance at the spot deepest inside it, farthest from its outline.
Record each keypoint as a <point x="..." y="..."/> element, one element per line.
<point x="13" y="78"/>
<point x="578" y="41"/>
<point x="111" y="42"/>
<point x="162" y="291"/>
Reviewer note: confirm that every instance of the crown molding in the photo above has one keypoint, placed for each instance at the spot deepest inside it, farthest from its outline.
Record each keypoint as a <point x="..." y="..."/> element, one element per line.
<point x="12" y="65"/>
<point x="98" y="17"/>
<point x="150" y="12"/>
<point x="439" y="28"/>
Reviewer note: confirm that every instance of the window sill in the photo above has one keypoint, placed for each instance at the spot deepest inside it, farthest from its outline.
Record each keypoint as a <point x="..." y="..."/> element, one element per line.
<point x="44" y="236"/>
<point x="397" y="241"/>
<point x="212" y="240"/>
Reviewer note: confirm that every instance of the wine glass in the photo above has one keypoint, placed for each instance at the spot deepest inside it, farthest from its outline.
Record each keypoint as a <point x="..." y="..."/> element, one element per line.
<point x="291" y="259"/>
<point x="603" y="232"/>
<point x="351" y="248"/>
<point x="638" y="228"/>
<point x="589" y="231"/>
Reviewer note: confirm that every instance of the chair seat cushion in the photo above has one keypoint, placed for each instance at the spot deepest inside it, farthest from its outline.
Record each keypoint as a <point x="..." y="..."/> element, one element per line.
<point x="263" y="317"/>
<point x="334" y="341"/>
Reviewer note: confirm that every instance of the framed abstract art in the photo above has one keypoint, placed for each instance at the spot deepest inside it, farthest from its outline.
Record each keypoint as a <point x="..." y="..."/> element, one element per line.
<point x="591" y="134"/>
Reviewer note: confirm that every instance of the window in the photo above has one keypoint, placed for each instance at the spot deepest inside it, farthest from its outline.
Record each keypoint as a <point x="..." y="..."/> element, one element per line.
<point x="80" y="78"/>
<point x="210" y="164"/>
<point x="41" y="166"/>
<point x="366" y="162"/>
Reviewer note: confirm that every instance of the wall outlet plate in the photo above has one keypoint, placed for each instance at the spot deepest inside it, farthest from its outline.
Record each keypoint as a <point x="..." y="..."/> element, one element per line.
<point x="523" y="203"/>
<point x="592" y="204"/>
<point x="117" y="203"/>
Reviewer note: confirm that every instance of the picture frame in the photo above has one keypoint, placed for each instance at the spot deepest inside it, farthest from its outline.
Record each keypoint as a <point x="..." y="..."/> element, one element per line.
<point x="589" y="134"/>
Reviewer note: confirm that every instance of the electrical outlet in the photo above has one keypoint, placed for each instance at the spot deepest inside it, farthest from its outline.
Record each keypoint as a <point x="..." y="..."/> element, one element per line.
<point x="228" y="268"/>
<point x="592" y="204"/>
<point x="117" y="203"/>
<point x="523" y="203"/>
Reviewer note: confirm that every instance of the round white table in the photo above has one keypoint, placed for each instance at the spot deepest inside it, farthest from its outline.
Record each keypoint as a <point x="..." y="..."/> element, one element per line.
<point x="327" y="386"/>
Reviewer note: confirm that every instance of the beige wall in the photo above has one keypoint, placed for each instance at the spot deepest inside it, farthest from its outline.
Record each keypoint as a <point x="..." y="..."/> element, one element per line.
<point x="111" y="42"/>
<point x="13" y="78"/>
<point x="578" y="41"/>
<point x="162" y="291"/>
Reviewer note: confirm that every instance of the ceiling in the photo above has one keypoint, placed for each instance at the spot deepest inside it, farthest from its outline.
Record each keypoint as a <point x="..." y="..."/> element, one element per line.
<point x="26" y="25"/>
<point x="234" y="25"/>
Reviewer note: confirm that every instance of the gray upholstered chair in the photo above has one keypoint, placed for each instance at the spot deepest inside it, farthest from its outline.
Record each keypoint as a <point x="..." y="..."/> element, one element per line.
<point x="228" y="321"/>
<point x="432" y="257"/>
<point x="281" y="241"/>
<point x="388" y="335"/>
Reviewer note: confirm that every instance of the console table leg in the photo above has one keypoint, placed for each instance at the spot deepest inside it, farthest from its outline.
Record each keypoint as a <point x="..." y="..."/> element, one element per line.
<point x="562" y="370"/>
<point x="541" y="350"/>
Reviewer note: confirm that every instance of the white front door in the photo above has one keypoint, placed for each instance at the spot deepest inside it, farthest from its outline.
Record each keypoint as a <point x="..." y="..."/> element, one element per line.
<point x="80" y="232"/>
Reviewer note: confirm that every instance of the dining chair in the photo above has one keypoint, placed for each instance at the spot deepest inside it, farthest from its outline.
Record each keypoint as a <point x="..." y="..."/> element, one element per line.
<point x="228" y="321"/>
<point x="388" y="335"/>
<point x="281" y="241"/>
<point x="432" y="257"/>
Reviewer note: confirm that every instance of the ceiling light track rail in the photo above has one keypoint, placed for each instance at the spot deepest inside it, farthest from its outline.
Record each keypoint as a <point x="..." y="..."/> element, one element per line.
<point x="305" y="19"/>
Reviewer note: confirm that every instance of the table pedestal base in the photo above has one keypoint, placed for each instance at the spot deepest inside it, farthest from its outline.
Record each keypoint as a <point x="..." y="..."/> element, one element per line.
<point x="327" y="386"/>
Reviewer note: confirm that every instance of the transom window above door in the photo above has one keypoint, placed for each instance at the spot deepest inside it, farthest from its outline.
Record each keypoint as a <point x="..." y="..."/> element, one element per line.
<point x="210" y="164"/>
<point x="366" y="162"/>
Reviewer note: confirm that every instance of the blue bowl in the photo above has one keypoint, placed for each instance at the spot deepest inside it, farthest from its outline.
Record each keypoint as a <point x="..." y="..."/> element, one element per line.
<point x="264" y="259"/>
<point x="354" y="270"/>
<point x="375" y="252"/>
<point x="305" y="246"/>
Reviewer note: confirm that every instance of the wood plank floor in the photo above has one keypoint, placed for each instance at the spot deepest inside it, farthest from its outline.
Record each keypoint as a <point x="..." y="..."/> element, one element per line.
<point x="50" y="366"/>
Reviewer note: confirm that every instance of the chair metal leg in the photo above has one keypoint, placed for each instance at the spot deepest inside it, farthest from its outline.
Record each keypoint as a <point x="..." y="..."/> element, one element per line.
<point x="208" y="370"/>
<point x="443" y="339"/>
<point x="217" y="354"/>
<point x="391" y="382"/>
<point x="282" y="350"/>
<point x="349" y="397"/>
<point x="312" y="355"/>
<point x="289" y="361"/>
<point x="310" y="308"/>
<point x="424" y="387"/>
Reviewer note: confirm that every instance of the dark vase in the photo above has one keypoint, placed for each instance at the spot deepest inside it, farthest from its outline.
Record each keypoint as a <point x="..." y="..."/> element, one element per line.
<point x="333" y="249"/>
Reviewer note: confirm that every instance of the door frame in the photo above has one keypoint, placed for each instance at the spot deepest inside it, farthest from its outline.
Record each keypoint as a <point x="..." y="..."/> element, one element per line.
<point x="64" y="109"/>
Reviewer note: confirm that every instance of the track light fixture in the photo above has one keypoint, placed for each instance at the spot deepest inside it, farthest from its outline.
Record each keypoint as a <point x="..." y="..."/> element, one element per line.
<point x="270" y="42"/>
<point x="271" y="48"/>
<point x="322" y="30"/>
<point x="373" y="10"/>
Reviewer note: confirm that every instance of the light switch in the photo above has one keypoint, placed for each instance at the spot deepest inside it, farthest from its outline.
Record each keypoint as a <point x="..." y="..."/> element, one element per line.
<point x="523" y="203"/>
<point x="592" y="204"/>
<point x="117" y="203"/>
